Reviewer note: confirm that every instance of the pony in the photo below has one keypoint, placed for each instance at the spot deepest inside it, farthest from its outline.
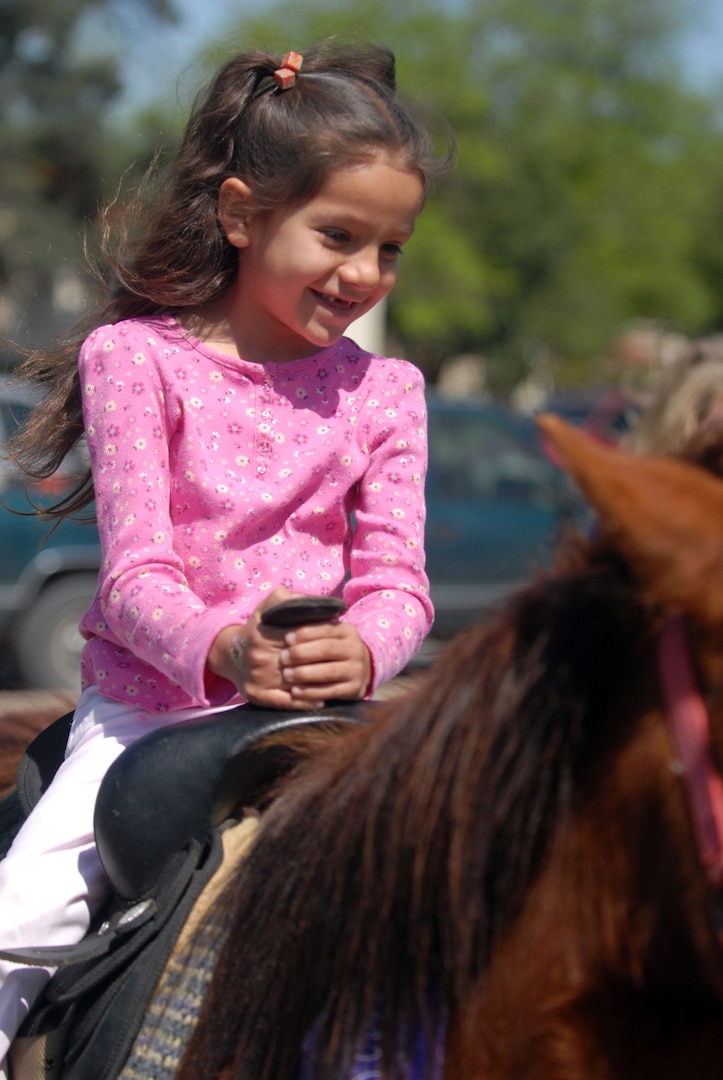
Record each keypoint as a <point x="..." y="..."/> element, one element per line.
<point x="500" y="876"/>
<point x="23" y="715"/>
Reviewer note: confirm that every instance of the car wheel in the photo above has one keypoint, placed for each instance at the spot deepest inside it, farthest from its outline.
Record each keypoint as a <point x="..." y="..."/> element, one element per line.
<point x="48" y="642"/>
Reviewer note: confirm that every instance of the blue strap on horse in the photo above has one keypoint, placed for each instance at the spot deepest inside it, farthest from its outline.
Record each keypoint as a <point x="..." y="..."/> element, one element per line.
<point x="156" y="823"/>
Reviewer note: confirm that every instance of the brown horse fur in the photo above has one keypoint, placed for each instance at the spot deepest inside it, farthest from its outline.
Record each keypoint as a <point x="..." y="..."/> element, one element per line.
<point x="23" y="715"/>
<point x="504" y="855"/>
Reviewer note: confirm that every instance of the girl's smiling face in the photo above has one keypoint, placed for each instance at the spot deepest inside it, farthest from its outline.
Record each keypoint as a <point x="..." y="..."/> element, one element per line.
<point x="307" y="272"/>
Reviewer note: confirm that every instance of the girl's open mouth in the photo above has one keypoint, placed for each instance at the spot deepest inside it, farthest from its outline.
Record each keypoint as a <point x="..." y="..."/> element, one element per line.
<point x="336" y="303"/>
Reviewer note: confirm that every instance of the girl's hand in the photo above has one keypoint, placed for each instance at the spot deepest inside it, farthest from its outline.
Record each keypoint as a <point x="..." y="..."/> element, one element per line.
<point x="291" y="669"/>
<point x="327" y="660"/>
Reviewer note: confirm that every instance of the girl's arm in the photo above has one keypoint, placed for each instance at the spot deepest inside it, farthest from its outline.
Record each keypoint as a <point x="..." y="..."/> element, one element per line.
<point x="146" y="603"/>
<point x="390" y="612"/>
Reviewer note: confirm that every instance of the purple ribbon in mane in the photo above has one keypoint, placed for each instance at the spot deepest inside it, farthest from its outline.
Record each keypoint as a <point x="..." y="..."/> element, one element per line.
<point x="368" y="1063"/>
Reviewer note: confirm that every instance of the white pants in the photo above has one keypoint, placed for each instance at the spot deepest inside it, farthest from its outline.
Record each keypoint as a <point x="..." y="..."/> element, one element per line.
<point x="51" y="881"/>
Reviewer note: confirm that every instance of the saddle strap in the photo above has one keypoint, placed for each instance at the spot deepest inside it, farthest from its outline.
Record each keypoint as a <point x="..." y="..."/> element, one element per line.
<point x="91" y="948"/>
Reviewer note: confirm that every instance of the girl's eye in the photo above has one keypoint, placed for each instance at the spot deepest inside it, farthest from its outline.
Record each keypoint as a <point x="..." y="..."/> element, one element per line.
<point x="337" y="235"/>
<point x="392" y="251"/>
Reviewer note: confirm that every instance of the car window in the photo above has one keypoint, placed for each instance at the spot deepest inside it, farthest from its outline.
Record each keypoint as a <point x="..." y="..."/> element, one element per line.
<point x="12" y="414"/>
<point x="475" y="458"/>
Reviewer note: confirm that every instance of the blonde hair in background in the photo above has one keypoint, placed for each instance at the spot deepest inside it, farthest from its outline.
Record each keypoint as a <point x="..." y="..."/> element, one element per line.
<point x="687" y="400"/>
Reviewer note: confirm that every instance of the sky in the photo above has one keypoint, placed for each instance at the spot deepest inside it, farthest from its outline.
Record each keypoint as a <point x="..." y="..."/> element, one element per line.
<point x="702" y="52"/>
<point x="152" y="71"/>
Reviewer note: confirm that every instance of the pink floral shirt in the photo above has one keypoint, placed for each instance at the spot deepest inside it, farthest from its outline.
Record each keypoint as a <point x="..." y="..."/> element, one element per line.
<point x="217" y="480"/>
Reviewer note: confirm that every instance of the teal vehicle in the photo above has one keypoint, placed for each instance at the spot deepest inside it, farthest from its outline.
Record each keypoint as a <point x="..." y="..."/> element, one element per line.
<point x="47" y="578"/>
<point x="496" y="506"/>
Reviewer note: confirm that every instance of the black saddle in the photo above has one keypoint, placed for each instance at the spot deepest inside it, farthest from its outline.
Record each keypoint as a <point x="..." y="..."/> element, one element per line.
<point x="174" y="784"/>
<point x="156" y="824"/>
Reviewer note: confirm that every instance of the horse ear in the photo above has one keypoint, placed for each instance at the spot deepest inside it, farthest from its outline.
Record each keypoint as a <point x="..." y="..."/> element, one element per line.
<point x="664" y="515"/>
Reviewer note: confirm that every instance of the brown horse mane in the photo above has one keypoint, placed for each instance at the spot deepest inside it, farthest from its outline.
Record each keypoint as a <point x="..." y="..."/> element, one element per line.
<point x="391" y="863"/>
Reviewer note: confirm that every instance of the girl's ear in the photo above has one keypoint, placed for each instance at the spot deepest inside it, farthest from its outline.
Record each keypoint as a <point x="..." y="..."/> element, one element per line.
<point x="234" y="211"/>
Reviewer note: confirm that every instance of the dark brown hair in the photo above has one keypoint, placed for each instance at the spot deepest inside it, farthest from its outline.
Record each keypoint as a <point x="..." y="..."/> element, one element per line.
<point x="173" y="254"/>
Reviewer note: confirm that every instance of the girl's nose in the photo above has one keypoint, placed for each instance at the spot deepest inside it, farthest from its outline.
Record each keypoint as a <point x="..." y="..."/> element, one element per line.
<point x="362" y="269"/>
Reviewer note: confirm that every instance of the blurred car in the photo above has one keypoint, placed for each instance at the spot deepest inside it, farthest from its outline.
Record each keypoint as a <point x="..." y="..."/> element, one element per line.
<point x="496" y="505"/>
<point x="47" y="578"/>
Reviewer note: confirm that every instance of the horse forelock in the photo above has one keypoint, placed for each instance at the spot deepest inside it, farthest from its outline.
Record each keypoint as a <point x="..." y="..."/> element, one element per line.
<point x="389" y="865"/>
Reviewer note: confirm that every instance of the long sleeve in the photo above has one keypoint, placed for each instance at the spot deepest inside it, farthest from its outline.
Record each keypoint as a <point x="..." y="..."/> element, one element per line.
<point x="388" y="589"/>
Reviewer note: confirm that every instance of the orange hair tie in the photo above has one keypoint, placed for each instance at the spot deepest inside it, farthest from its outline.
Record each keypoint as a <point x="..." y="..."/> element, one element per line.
<point x="285" y="76"/>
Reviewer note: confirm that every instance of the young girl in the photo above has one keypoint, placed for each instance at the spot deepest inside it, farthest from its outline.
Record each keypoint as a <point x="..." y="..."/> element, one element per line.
<point x="233" y="430"/>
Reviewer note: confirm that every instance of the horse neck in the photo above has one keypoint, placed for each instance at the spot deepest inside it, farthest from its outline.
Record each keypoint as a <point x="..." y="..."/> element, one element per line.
<point x="615" y="924"/>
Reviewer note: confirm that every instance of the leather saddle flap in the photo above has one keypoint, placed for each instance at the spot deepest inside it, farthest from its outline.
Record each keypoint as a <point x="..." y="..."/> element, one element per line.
<point x="177" y="783"/>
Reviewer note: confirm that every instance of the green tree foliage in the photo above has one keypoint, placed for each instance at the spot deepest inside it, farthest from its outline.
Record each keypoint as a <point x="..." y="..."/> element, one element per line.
<point x="587" y="179"/>
<point x="55" y="140"/>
